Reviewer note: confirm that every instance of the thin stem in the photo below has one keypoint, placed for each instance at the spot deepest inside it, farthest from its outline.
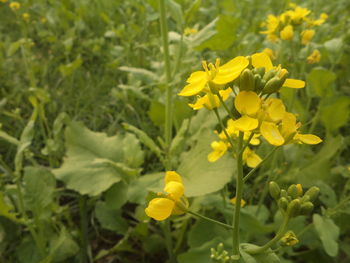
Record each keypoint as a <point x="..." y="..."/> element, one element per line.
<point x="223" y="127"/>
<point x="225" y="106"/>
<point x="168" y="104"/>
<point x="83" y="229"/>
<point x="251" y="172"/>
<point x="281" y="231"/>
<point x="168" y="240"/>
<point x="210" y="220"/>
<point x="239" y="191"/>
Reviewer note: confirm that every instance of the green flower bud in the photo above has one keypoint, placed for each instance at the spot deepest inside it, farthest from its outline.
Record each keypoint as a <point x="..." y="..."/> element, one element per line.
<point x="306" y="208"/>
<point x="274" y="190"/>
<point x="284" y="193"/>
<point x="293" y="191"/>
<point x="247" y="81"/>
<point x="258" y="83"/>
<point x="220" y="248"/>
<point x="269" y="75"/>
<point x="305" y="198"/>
<point x="273" y="85"/>
<point x="294" y="208"/>
<point x="283" y="203"/>
<point x="289" y="239"/>
<point x="260" y="71"/>
<point x="313" y="193"/>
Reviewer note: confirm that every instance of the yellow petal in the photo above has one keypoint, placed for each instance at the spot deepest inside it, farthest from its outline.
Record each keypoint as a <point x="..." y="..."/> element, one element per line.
<point x="275" y="109"/>
<point x="200" y="102"/>
<point x="247" y="102"/>
<point x="308" y="138"/>
<point x="294" y="83"/>
<point x="225" y="93"/>
<point x="233" y="201"/>
<point x="261" y="60"/>
<point x="219" y="149"/>
<point x="193" y="88"/>
<point x="271" y="133"/>
<point x="160" y="208"/>
<point x="172" y="176"/>
<point x="251" y="158"/>
<point x="231" y="70"/>
<point x="246" y="123"/>
<point x="174" y="189"/>
<point x="197" y="76"/>
<point x="289" y="124"/>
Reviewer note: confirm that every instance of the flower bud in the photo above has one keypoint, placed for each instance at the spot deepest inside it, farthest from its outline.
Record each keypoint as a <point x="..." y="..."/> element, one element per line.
<point x="274" y="190"/>
<point x="313" y="193"/>
<point x="306" y="208"/>
<point x="284" y="193"/>
<point x="283" y="203"/>
<point x="258" y="83"/>
<point x="289" y="239"/>
<point x="247" y="81"/>
<point x="260" y="71"/>
<point x="269" y="75"/>
<point x="273" y="85"/>
<point x="293" y="191"/>
<point x="293" y="208"/>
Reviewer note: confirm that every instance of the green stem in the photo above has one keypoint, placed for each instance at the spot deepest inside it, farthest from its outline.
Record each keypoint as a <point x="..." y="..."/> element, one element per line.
<point x="223" y="127"/>
<point x="168" y="104"/>
<point x="281" y="231"/>
<point x="210" y="220"/>
<point x="168" y="240"/>
<point x="225" y="106"/>
<point x="251" y="172"/>
<point x="239" y="191"/>
<point x="83" y="229"/>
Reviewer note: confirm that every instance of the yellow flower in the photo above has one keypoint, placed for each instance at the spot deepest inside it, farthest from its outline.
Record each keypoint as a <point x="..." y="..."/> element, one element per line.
<point x="323" y="17"/>
<point x="287" y="33"/>
<point x="270" y="53"/>
<point x="247" y="103"/>
<point x="219" y="149"/>
<point x="306" y="36"/>
<point x="173" y="202"/>
<point x="299" y="14"/>
<point x="214" y="75"/>
<point x="315" y="57"/>
<point x="190" y="31"/>
<point x="15" y="6"/>
<point x="233" y="201"/>
<point x="251" y="158"/>
<point x="211" y="101"/>
<point x="26" y="17"/>
<point x="289" y="239"/>
<point x="262" y="60"/>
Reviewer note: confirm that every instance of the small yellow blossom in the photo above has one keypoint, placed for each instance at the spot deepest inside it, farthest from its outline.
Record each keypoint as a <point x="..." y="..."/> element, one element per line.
<point x="314" y="57"/>
<point x="233" y="201"/>
<point x="215" y="75"/>
<point x="190" y="31"/>
<point x="15" y="6"/>
<point x="26" y="17"/>
<point x="306" y="36"/>
<point x="287" y="33"/>
<point x="251" y="158"/>
<point x="270" y="53"/>
<point x="219" y="149"/>
<point x="173" y="202"/>
<point x="211" y="101"/>
<point x="289" y="239"/>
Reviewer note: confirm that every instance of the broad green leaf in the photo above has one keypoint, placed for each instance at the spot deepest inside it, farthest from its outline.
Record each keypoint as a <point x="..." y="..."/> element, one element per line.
<point x="62" y="247"/>
<point x="201" y="177"/>
<point x="321" y="81"/>
<point x="6" y="209"/>
<point x="335" y="114"/>
<point x="139" y="188"/>
<point x="328" y="233"/>
<point x="39" y="186"/>
<point x="94" y="161"/>
<point x="116" y="195"/>
<point x="110" y="219"/>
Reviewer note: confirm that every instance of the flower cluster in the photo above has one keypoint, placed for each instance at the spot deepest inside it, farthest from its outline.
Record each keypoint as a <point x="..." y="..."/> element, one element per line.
<point x="254" y="79"/>
<point x="172" y="202"/>
<point x="297" y="19"/>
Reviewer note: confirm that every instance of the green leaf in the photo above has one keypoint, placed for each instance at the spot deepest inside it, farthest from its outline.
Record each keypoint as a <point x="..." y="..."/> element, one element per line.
<point x="267" y="257"/>
<point x="116" y="195"/>
<point x="39" y="187"/>
<point x="192" y="10"/>
<point x="335" y="113"/>
<point x="175" y="12"/>
<point x="62" y="247"/>
<point x="321" y="81"/>
<point x="178" y="140"/>
<point x="204" y="34"/>
<point x="142" y="74"/>
<point x="200" y="176"/>
<point x="94" y="161"/>
<point x="328" y="233"/>
<point x="110" y="219"/>
<point x="69" y="68"/>
<point x="8" y="138"/>
<point x="139" y="188"/>
<point x="5" y="209"/>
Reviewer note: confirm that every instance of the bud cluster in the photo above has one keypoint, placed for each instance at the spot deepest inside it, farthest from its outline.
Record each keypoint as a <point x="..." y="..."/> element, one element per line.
<point x="220" y="255"/>
<point x="292" y="201"/>
<point x="261" y="81"/>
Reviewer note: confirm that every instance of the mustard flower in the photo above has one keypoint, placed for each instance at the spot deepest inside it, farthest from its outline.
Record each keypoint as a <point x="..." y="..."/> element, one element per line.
<point x="287" y="33"/>
<point x="210" y="101"/>
<point x="26" y="17"/>
<point x="233" y="201"/>
<point x="214" y="75"/>
<point x="219" y="149"/>
<point x="314" y="57"/>
<point x="15" y="6"/>
<point x="306" y="36"/>
<point x="251" y="158"/>
<point x="173" y="202"/>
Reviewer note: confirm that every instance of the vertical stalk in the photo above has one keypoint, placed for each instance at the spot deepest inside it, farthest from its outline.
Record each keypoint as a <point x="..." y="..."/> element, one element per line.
<point x="83" y="229"/>
<point x="168" y="103"/>
<point x="239" y="190"/>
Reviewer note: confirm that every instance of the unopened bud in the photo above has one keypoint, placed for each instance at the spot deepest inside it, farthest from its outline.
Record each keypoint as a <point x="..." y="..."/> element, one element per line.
<point x="284" y="193"/>
<point x="313" y="193"/>
<point x="273" y="85"/>
<point x="294" y="208"/>
<point x="269" y="75"/>
<point x="293" y="191"/>
<point x="258" y="83"/>
<point x="247" y="82"/>
<point x="306" y="208"/>
<point x="220" y="248"/>
<point x="289" y="239"/>
<point x="260" y="71"/>
<point x="283" y="203"/>
<point x="274" y="190"/>
<point x="300" y="190"/>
